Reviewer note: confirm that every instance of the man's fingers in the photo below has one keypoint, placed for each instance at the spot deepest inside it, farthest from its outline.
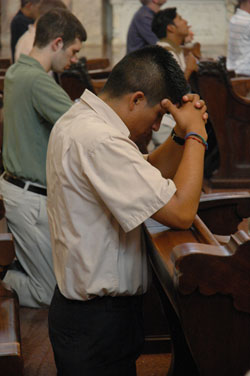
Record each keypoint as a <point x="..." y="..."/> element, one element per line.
<point x="167" y="105"/>
<point x="205" y="116"/>
<point x="191" y="98"/>
<point x="199" y="103"/>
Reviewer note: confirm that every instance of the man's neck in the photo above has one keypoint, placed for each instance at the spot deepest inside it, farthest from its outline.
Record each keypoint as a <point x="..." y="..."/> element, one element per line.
<point x="42" y="56"/>
<point x="175" y="39"/>
<point x="245" y="7"/>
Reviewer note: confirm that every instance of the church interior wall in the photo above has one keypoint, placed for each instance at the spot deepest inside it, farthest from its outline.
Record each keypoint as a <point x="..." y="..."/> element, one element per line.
<point x="108" y="20"/>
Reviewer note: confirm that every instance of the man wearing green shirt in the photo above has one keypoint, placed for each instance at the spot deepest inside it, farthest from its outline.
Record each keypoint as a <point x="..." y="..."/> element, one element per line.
<point x="33" y="102"/>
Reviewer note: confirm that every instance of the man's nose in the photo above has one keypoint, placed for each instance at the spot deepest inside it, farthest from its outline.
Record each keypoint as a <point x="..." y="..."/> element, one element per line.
<point x="156" y="125"/>
<point x="74" y="59"/>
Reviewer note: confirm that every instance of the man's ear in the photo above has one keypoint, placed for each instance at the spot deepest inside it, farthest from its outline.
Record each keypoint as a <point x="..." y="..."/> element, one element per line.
<point x="170" y="28"/>
<point x="57" y="44"/>
<point x="136" y="98"/>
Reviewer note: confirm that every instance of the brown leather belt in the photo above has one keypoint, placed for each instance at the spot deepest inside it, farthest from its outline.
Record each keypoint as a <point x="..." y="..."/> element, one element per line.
<point x="21" y="183"/>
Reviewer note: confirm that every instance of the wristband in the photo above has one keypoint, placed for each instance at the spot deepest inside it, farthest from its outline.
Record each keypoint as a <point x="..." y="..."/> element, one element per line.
<point x="175" y="138"/>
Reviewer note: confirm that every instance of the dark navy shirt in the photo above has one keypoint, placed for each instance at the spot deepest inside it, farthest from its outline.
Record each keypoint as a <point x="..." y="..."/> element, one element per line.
<point x="140" y="33"/>
<point x="18" y="26"/>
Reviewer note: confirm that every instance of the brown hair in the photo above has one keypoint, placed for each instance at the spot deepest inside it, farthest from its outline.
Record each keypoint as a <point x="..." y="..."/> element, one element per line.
<point x="58" y="23"/>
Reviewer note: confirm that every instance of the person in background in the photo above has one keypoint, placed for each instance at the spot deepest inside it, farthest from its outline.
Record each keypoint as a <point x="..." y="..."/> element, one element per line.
<point x="238" y="51"/>
<point x="172" y="30"/>
<point x="140" y="33"/>
<point x="26" y="41"/>
<point x="101" y="189"/>
<point x="33" y="102"/>
<point x="19" y="24"/>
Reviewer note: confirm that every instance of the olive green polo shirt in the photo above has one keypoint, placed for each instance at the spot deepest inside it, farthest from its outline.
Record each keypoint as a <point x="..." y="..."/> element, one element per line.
<point x="33" y="102"/>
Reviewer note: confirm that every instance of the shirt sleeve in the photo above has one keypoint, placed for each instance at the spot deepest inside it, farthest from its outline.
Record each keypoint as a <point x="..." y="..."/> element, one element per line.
<point x="131" y="188"/>
<point x="49" y="99"/>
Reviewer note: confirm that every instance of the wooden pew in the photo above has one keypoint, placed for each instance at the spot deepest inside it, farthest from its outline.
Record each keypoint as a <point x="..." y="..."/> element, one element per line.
<point x="1" y="84"/>
<point x="222" y="213"/>
<point x="86" y="74"/>
<point x="11" y="361"/>
<point x="230" y="116"/>
<point x="241" y="85"/>
<point x="5" y="62"/>
<point x="98" y="63"/>
<point x="75" y="80"/>
<point x="208" y="316"/>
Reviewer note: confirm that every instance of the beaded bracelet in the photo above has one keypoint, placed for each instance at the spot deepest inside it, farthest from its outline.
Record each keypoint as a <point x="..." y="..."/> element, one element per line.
<point x="196" y="139"/>
<point x="203" y="141"/>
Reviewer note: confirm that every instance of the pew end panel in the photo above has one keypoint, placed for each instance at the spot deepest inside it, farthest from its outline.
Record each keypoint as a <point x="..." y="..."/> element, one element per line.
<point x="213" y="302"/>
<point x="202" y="314"/>
<point x="222" y="213"/>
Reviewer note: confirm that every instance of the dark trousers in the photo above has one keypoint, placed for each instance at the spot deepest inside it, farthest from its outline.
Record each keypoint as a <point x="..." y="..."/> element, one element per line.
<point x="102" y="336"/>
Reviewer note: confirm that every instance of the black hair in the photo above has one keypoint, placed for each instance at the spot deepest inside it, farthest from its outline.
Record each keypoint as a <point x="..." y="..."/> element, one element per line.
<point x="152" y="70"/>
<point x="58" y="23"/>
<point x="161" y="20"/>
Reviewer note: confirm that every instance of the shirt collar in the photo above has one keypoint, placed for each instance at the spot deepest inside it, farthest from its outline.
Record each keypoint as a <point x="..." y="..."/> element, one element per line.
<point x="242" y="12"/>
<point x="105" y="111"/>
<point x="28" y="60"/>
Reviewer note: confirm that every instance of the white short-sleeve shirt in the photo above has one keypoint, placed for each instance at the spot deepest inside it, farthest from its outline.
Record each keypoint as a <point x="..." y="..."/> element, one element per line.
<point x="100" y="190"/>
<point x="238" y="53"/>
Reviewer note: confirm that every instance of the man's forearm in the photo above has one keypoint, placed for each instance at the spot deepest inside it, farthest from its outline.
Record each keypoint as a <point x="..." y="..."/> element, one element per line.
<point x="167" y="157"/>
